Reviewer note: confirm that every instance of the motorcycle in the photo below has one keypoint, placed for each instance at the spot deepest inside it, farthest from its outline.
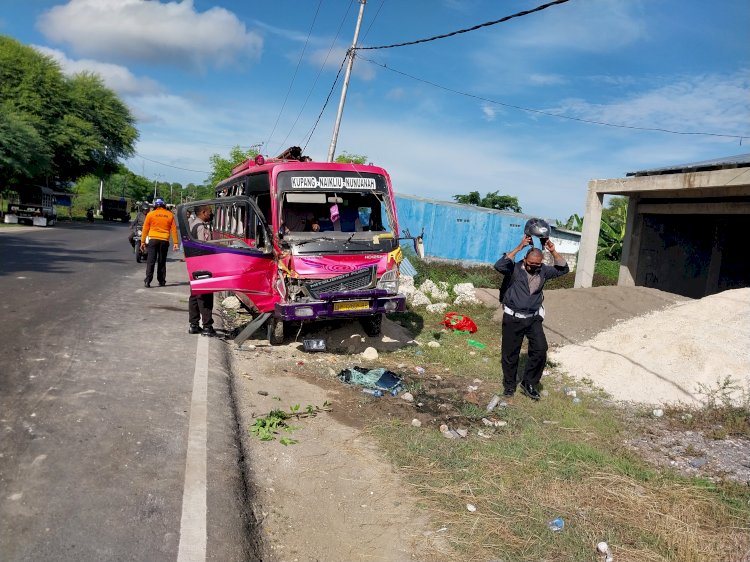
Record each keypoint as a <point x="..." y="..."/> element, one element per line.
<point x="139" y="255"/>
<point x="90" y="215"/>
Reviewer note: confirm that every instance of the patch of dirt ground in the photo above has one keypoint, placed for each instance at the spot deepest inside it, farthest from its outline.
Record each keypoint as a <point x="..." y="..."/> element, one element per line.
<point x="331" y="496"/>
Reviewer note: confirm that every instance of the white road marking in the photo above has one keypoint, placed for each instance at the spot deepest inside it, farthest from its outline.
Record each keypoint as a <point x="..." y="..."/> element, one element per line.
<point x="193" y="534"/>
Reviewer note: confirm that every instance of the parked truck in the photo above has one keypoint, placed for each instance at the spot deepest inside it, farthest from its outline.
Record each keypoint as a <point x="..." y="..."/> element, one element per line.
<point x="32" y="204"/>
<point x="116" y="209"/>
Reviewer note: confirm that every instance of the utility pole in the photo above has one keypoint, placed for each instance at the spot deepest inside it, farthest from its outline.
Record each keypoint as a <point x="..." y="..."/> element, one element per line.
<point x="347" y="75"/>
<point x="155" y="182"/>
<point x="101" y="181"/>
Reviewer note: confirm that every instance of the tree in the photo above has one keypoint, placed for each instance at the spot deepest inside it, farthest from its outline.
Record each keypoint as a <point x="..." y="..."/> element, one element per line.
<point x="78" y="125"/>
<point x="490" y="201"/>
<point x="346" y="158"/>
<point x="574" y="223"/>
<point x="612" y="232"/>
<point x="221" y="168"/>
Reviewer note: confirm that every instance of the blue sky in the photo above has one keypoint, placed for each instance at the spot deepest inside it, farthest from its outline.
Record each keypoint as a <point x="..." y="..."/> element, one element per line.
<point x="203" y="76"/>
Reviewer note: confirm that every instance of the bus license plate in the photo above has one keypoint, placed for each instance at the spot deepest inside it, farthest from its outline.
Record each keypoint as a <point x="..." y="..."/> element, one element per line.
<point x="350" y="305"/>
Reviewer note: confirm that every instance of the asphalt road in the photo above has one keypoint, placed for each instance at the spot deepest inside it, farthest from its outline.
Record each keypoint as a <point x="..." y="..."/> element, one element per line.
<point x="117" y="433"/>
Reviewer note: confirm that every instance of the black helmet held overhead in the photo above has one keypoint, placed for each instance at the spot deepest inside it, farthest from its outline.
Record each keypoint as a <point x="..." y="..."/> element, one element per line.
<point x="537" y="227"/>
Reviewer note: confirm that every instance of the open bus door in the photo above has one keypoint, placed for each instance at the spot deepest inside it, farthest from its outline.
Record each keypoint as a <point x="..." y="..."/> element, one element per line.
<point x="237" y="257"/>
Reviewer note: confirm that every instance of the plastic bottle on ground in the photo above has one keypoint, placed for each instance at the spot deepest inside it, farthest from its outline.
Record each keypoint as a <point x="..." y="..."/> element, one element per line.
<point x="493" y="403"/>
<point x="373" y="392"/>
<point x="556" y="524"/>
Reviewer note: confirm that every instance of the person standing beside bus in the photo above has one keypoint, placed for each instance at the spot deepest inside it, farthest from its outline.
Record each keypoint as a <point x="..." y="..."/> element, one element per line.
<point x="200" y="307"/>
<point x="159" y="225"/>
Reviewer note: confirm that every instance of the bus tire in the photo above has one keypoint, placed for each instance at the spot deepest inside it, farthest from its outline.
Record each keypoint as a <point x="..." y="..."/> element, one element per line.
<point x="372" y="324"/>
<point x="276" y="331"/>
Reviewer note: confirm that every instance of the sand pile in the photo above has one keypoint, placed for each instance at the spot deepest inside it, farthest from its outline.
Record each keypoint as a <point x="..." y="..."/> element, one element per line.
<point x="664" y="356"/>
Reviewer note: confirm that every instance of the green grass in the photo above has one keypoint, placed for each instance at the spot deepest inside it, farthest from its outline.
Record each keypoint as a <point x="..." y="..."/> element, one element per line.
<point x="530" y="472"/>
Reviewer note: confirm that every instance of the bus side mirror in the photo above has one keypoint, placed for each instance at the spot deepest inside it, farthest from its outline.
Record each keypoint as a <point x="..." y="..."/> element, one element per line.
<point x="419" y="247"/>
<point x="418" y="242"/>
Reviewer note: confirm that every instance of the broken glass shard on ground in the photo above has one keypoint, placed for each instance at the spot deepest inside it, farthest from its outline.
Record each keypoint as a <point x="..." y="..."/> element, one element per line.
<point x="371" y="378"/>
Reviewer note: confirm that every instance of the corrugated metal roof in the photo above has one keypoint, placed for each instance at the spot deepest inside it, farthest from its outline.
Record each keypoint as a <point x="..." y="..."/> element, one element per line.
<point x="739" y="161"/>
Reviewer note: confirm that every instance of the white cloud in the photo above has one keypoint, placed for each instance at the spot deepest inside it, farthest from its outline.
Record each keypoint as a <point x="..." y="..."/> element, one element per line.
<point x="150" y="32"/>
<point x="705" y="103"/>
<point x="547" y="79"/>
<point x="489" y="111"/>
<point x="116" y="77"/>
<point x="397" y="93"/>
<point x="599" y="26"/>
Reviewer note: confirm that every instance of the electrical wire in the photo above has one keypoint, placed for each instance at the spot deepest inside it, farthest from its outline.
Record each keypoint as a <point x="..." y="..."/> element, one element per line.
<point x="473" y="28"/>
<point x="310" y="134"/>
<point x="294" y="76"/>
<point x="369" y="27"/>
<point x="353" y="52"/>
<point x="551" y="114"/>
<point x="170" y="166"/>
<point x="315" y="82"/>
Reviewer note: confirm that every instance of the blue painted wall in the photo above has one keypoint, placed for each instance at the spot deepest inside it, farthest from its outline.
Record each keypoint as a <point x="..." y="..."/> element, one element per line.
<point x="460" y="232"/>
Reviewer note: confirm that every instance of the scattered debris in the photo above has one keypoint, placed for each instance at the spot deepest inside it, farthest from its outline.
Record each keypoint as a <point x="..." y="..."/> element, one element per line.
<point x="556" y="524"/>
<point x="471" y="507"/>
<point x="408" y="396"/>
<point x="370" y="354"/>
<point x="375" y="379"/>
<point x="603" y="548"/>
<point x="419" y="370"/>
<point x="263" y="393"/>
<point x="493" y="403"/>
<point x="494" y="423"/>
<point x="433" y="344"/>
<point x="428" y="287"/>
<point x="483" y="434"/>
<point x="658" y="412"/>
<point x="231" y="303"/>
<point x="416" y="423"/>
<point x="459" y="322"/>
<point x="317" y="344"/>
<point x="475" y="343"/>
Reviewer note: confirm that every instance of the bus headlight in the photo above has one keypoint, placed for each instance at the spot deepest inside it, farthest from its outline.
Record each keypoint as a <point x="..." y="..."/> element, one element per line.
<point x="389" y="281"/>
<point x="390" y="306"/>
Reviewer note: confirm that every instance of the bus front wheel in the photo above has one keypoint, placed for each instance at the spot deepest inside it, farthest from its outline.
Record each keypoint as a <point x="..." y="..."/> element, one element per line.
<point x="276" y="331"/>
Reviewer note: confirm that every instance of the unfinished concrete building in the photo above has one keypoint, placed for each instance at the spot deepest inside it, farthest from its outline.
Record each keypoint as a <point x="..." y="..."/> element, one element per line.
<point x="686" y="231"/>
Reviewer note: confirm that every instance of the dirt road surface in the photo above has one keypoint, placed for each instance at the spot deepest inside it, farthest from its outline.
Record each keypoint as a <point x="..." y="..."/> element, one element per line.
<point x="331" y="496"/>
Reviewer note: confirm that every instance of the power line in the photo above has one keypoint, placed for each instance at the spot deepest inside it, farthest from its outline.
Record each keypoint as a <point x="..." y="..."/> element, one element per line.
<point x="473" y="28"/>
<point x="315" y="82"/>
<point x="369" y="27"/>
<point x="170" y="166"/>
<point x="294" y="76"/>
<point x="335" y="81"/>
<point x="551" y="114"/>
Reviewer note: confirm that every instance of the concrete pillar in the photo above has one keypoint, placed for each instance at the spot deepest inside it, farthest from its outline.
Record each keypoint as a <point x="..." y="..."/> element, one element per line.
<point x="630" y="245"/>
<point x="592" y="219"/>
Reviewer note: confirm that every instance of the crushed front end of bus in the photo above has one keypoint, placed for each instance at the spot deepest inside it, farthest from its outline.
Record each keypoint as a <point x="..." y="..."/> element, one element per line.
<point x="340" y="253"/>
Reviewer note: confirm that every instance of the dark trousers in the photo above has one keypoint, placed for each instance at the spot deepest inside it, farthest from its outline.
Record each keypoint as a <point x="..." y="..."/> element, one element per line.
<point x="201" y="307"/>
<point x="514" y="330"/>
<point x="157" y="256"/>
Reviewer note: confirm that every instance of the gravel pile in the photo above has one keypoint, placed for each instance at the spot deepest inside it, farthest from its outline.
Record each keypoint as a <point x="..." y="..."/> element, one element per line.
<point x="673" y="355"/>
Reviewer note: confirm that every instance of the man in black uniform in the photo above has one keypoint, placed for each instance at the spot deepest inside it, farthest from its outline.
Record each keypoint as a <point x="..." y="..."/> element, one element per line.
<point x="524" y="313"/>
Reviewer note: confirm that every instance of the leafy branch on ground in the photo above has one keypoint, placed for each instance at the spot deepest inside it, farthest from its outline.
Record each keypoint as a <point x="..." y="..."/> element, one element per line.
<point x="267" y="427"/>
